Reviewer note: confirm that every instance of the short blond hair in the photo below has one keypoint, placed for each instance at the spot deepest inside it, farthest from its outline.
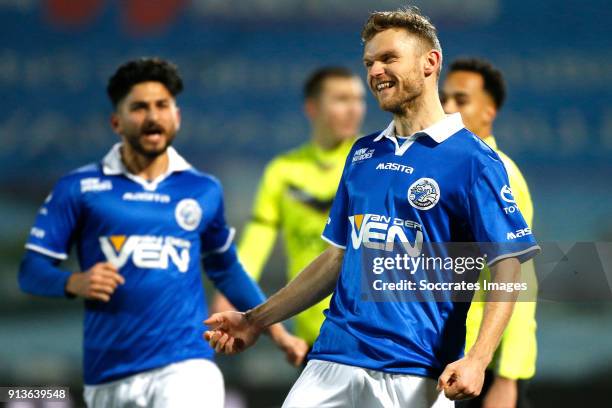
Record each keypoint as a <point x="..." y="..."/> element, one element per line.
<point x="409" y="19"/>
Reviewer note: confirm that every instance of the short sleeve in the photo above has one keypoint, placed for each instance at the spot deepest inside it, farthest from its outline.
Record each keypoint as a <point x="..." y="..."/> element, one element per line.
<point x="496" y="222"/>
<point x="336" y="228"/>
<point x="217" y="236"/>
<point x="56" y="222"/>
<point x="519" y="187"/>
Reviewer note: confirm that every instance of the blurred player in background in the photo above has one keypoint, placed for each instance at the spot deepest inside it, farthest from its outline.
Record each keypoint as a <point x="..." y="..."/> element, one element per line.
<point x="476" y="89"/>
<point x="298" y="187"/>
<point x="443" y="184"/>
<point x="142" y="220"/>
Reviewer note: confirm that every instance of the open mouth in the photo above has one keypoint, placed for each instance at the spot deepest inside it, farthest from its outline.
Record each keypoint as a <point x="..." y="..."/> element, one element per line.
<point x="153" y="133"/>
<point x="381" y="86"/>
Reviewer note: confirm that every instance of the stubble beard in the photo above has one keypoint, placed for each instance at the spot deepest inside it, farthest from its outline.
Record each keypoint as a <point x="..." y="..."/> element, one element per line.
<point x="407" y="99"/>
<point x="135" y="142"/>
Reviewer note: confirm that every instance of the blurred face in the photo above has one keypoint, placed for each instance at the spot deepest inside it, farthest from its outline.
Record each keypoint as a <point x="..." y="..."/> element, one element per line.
<point x="147" y="119"/>
<point x="463" y="91"/>
<point x="339" y="108"/>
<point x="393" y="59"/>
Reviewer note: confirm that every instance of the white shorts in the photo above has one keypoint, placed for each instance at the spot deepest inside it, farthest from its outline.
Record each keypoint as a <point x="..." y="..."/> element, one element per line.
<point x="190" y="383"/>
<point x="324" y="384"/>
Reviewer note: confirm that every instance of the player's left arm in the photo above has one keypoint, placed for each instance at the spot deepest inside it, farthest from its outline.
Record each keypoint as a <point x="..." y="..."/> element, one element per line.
<point x="464" y="378"/>
<point x="517" y="351"/>
<point x="507" y="241"/>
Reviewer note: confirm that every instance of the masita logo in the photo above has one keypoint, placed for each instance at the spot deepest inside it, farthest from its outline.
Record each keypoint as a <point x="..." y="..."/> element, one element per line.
<point x="382" y="232"/>
<point x="146" y="196"/>
<point x="518" y="233"/>
<point x="146" y="251"/>
<point x="395" y="167"/>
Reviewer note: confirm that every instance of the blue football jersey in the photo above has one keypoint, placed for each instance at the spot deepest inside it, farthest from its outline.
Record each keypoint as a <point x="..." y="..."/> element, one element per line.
<point x="441" y="185"/>
<point x="155" y="233"/>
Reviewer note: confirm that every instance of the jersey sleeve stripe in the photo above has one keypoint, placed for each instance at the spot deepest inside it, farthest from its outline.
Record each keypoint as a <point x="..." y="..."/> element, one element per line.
<point x="47" y="252"/>
<point x="535" y="249"/>
<point x="228" y="243"/>
<point x="332" y="242"/>
<point x="263" y="221"/>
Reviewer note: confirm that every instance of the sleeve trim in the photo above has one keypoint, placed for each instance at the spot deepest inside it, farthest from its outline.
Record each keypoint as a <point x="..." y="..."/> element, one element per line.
<point x="47" y="252"/>
<point x="262" y="221"/>
<point x="224" y="247"/>
<point x="333" y="243"/>
<point x="535" y="248"/>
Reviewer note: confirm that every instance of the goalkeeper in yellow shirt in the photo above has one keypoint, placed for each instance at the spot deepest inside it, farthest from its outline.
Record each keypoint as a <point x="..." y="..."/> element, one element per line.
<point x="298" y="187"/>
<point x="476" y="89"/>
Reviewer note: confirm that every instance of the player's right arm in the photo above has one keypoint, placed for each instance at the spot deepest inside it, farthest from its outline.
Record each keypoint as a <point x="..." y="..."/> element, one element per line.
<point x="40" y="275"/>
<point x="232" y="332"/>
<point x="49" y="244"/>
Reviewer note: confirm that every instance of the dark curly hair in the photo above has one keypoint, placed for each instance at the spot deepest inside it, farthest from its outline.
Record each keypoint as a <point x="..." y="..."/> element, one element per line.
<point x="492" y="77"/>
<point x="143" y="70"/>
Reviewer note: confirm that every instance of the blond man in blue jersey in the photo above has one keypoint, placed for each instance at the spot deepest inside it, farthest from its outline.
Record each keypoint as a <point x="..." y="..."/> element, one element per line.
<point x="476" y="89"/>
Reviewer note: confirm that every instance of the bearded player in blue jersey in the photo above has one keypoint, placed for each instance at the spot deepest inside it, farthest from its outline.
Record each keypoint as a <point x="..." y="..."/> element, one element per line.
<point x="425" y="179"/>
<point x="142" y="220"/>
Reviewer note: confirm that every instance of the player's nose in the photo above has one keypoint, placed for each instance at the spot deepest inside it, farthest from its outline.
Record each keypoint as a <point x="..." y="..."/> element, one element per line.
<point x="152" y="114"/>
<point x="377" y="69"/>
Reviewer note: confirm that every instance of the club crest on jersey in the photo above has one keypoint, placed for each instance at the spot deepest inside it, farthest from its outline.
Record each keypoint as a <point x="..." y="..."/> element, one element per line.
<point x="506" y="194"/>
<point x="188" y="214"/>
<point x="424" y="193"/>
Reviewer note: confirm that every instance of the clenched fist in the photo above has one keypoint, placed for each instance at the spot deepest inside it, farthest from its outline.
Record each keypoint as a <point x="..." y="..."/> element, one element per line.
<point x="98" y="283"/>
<point x="462" y="379"/>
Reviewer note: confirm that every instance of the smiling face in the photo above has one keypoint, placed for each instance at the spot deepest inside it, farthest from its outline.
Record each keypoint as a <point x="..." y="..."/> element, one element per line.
<point x="394" y="59"/>
<point x="147" y="119"/>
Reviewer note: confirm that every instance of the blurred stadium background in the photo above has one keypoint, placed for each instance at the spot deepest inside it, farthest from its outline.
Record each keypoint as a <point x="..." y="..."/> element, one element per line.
<point x="243" y="65"/>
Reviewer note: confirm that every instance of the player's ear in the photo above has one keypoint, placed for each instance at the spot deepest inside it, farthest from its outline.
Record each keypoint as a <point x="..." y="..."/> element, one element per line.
<point x="310" y="108"/>
<point x="432" y="61"/>
<point x="115" y="124"/>
<point x="489" y="113"/>
<point x="178" y="118"/>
